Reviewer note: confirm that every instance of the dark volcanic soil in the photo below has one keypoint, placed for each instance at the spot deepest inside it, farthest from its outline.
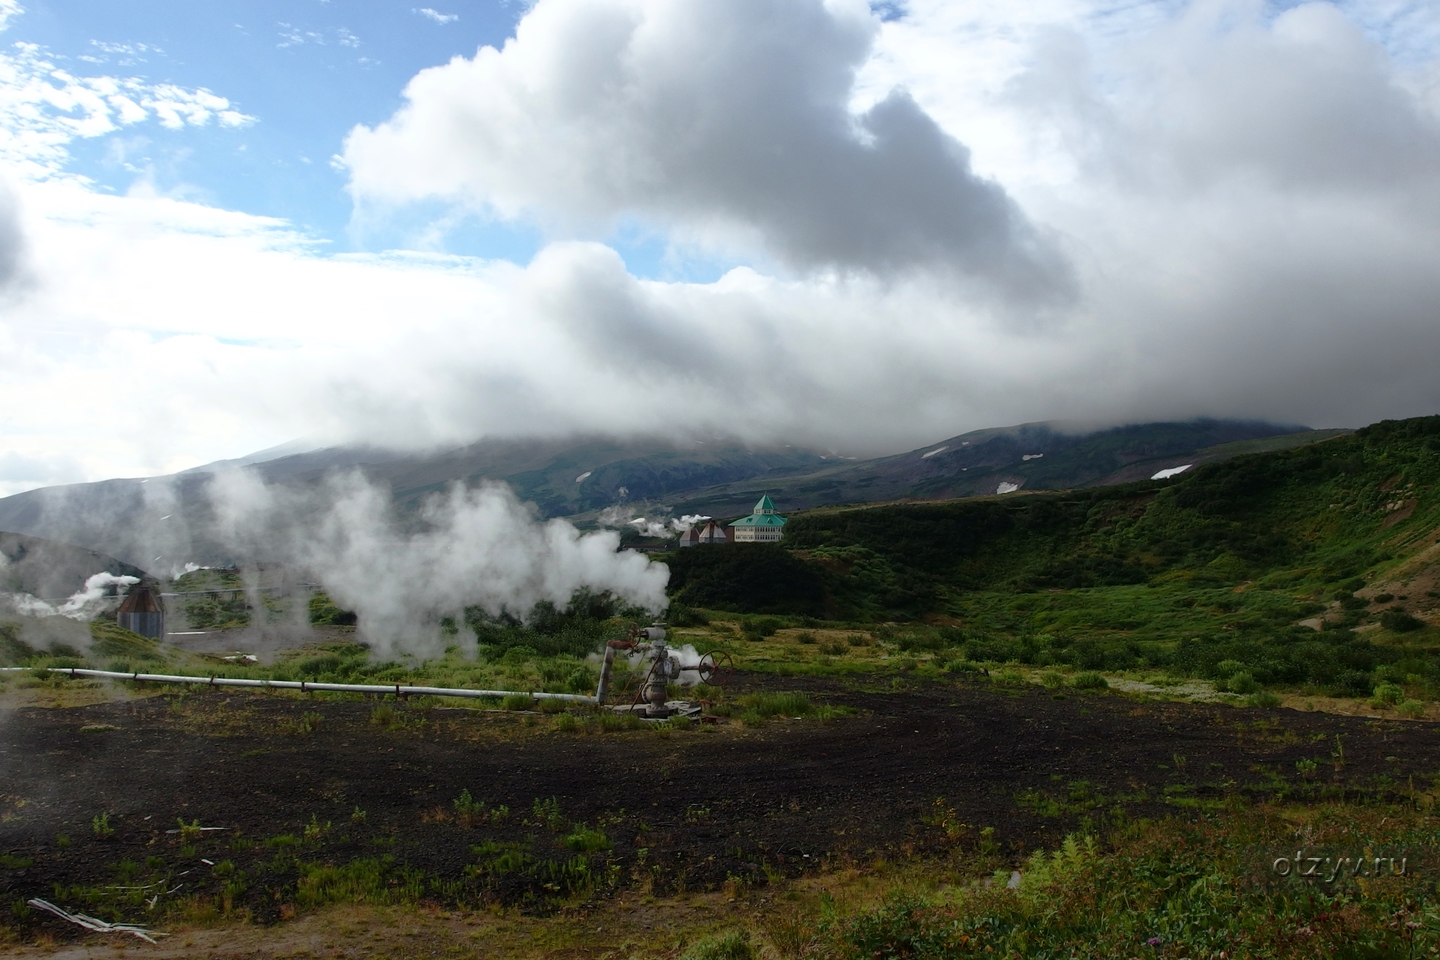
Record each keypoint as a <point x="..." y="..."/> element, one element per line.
<point x="703" y="805"/>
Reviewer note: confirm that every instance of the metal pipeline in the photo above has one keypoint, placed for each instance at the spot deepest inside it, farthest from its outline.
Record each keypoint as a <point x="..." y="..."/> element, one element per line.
<point x="654" y="634"/>
<point x="307" y="686"/>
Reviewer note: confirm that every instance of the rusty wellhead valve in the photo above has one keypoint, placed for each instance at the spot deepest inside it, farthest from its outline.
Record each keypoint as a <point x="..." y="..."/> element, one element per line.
<point x="651" y="701"/>
<point x="663" y="669"/>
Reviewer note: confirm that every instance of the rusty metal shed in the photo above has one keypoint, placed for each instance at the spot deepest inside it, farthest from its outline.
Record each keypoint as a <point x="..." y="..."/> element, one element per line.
<point x="141" y="612"/>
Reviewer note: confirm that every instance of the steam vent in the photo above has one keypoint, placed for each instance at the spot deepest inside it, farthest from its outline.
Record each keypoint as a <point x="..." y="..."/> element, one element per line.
<point x="140" y="612"/>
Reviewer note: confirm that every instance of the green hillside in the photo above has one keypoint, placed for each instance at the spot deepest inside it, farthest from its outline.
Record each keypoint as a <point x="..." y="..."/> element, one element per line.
<point x="601" y="481"/>
<point x="1209" y="574"/>
<point x="1030" y="456"/>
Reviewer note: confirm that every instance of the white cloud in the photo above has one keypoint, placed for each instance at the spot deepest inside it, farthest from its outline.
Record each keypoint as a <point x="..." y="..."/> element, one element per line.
<point x="293" y="36"/>
<point x="125" y="54"/>
<point x="727" y="124"/>
<point x="1234" y="254"/>
<point x="44" y="108"/>
<point x="437" y="16"/>
<point x="12" y="241"/>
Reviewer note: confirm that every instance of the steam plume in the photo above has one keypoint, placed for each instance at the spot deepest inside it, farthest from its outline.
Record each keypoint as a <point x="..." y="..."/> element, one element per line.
<point x="470" y="546"/>
<point x="84" y="604"/>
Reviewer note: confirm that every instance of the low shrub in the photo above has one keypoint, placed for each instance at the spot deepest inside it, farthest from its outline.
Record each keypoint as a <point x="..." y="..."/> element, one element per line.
<point x="1387" y="695"/>
<point x="1399" y="621"/>
<point x="775" y="704"/>
<point x="1242" y="682"/>
<point x="585" y="840"/>
<point x="1089" y="680"/>
<point x="733" y="945"/>
<point x="1169" y="888"/>
<point x="762" y="628"/>
<point x="681" y="615"/>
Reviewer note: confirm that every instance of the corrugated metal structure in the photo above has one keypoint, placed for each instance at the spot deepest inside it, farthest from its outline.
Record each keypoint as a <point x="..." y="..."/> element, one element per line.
<point x="141" y="612"/>
<point x="712" y="532"/>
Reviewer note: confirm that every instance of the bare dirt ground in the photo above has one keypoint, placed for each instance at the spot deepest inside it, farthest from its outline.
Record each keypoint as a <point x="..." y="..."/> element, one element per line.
<point x="679" y="810"/>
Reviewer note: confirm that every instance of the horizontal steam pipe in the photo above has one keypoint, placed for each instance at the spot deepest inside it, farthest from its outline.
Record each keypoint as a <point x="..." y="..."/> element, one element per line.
<point x="306" y="686"/>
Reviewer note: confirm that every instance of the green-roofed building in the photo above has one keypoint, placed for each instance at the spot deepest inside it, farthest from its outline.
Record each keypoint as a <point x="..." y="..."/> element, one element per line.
<point x="762" y="526"/>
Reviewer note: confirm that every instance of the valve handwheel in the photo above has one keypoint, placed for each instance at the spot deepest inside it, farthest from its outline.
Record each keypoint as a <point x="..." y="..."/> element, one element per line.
<point x="715" y="669"/>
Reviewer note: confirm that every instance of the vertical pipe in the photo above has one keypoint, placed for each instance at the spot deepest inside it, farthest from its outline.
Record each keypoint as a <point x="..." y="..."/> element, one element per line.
<point x="602" y="691"/>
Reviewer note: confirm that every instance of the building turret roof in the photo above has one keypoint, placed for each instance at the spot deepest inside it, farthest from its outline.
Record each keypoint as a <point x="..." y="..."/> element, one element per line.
<point x="764" y="516"/>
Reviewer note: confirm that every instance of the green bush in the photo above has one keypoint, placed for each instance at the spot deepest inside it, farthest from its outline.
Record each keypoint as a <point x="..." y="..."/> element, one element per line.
<point x="1225" y="669"/>
<point x="1241" y="682"/>
<point x="1168" y="888"/>
<point x="766" y="626"/>
<point x="733" y="945"/>
<point x="1388" y="694"/>
<point x="324" y="612"/>
<point x="763" y="705"/>
<point x="682" y="615"/>
<point x="1089" y="680"/>
<point x="585" y="840"/>
<point x="1399" y="621"/>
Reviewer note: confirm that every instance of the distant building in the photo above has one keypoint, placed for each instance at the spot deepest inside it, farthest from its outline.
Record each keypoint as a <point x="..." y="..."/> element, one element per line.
<point x="762" y="526"/>
<point x="140" y="612"/>
<point x="712" y="532"/>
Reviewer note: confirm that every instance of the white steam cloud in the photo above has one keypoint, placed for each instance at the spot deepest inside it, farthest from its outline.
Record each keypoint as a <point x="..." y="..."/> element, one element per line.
<point x="472" y="546"/>
<point x="84" y="604"/>
<point x="651" y="528"/>
<point x="658" y="527"/>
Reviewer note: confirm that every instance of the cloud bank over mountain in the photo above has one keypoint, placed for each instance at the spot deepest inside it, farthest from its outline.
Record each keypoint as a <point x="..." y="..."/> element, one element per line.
<point x="965" y="215"/>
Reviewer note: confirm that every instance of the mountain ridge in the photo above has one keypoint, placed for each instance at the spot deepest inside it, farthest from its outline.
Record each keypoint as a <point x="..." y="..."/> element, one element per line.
<point x="597" y="481"/>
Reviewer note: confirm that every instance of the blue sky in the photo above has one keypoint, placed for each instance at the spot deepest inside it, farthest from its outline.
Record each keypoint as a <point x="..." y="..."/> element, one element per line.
<point x="307" y="70"/>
